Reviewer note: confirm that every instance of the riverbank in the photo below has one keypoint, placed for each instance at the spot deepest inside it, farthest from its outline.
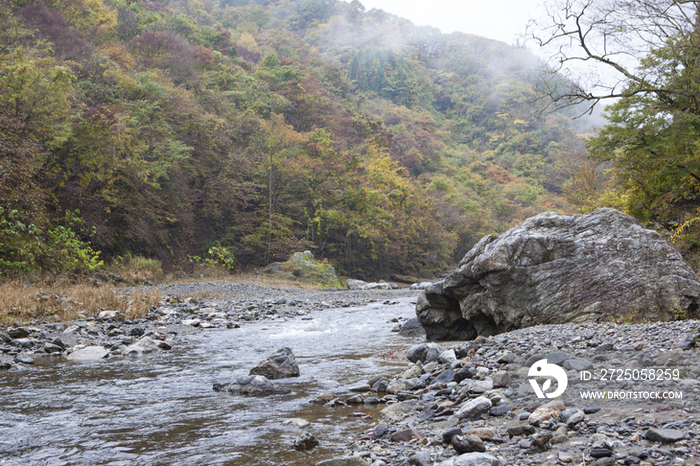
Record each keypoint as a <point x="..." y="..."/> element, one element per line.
<point x="474" y="404"/>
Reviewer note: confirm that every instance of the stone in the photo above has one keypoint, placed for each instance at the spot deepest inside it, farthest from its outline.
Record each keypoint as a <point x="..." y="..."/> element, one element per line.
<point x="445" y="377"/>
<point x="557" y="357"/>
<point x="467" y="443"/>
<point x="578" y="365"/>
<point x="484" y="433"/>
<point x="664" y="435"/>
<point x="411" y="328"/>
<point x="399" y="409"/>
<point x="406" y="435"/>
<point x="362" y="387"/>
<point x="50" y="348"/>
<point x="145" y="345"/>
<point x="114" y="315"/>
<point x="279" y="365"/>
<point x="474" y="408"/>
<point x="472" y="459"/>
<point x="548" y="411"/>
<point x="554" y="269"/>
<point x="506" y="358"/>
<point x="676" y="356"/>
<point x="255" y="385"/>
<point x="344" y="461"/>
<point x="305" y="441"/>
<point x="22" y="358"/>
<point x="19" y="332"/>
<point x="447" y="357"/>
<point x="575" y="418"/>
<point x="501" y="379"/>
<point x="353" y="284"/>
<point x="412" y="372"/>
<point x="499" y="410"/>
<point x="421" y="458"/>
<point x="424" y="352"/>
<point x="89" y="353"/>
<point x="520" y="430"/>
<point x="687" y="343"/>
<point x="463" y="374"/>
<point x="450" y="433"/>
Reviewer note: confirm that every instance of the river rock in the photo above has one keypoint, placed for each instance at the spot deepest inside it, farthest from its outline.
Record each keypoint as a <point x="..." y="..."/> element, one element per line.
<point x="256" y="385"/>
<point x="145" y="345"/>
<point x="279" y="365"/>
<point x="344" y="461"/>
<point x="544" y="413"/>
<point x="665" y="435"/>
<point x="474" y="408"/>
<point x="472" y="459"/>
<point x="424" y="352"/>
<point x="305" y="441"/>
<point x="467" y="443"/>
<point x="554" y="269"/>
<point x="411" y="328"/>
<point x="89" y="353"/>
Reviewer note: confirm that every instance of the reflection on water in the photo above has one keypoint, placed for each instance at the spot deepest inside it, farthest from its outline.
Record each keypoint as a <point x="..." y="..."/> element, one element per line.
<point x="162" y="409"/>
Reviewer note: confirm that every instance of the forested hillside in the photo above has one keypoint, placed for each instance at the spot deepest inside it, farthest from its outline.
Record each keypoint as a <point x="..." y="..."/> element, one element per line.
<point x="242" y="131"/>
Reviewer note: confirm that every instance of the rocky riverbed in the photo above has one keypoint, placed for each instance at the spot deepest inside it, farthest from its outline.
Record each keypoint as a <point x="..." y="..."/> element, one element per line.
<point x="470" y="403"/>
<point x="457" y="403"/>
<point x="111" y="334"/>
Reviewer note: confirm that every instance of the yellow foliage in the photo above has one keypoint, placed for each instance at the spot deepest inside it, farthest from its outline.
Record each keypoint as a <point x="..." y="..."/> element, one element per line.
<point x="120" y="79"/>
<point x="247" y="41"/>
<point x="119" y="54"/>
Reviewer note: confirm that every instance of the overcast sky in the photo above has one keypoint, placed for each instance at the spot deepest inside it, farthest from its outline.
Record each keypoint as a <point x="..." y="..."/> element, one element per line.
<point x="503" y="20"/>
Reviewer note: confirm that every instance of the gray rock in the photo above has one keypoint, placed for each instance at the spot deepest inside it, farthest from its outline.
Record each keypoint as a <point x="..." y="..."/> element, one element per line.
<point x="665" y="435"/>
<point x="353" y="284"/>
<point x="421" y="458"/>
<point x="344" y="461"/>
<point x="501" y="379"/>
<point x="256" y="385"/>
<point x="411" y="328"/>
<point x="399" y="409"/>
<point x="554" y="269"/>
<point x="467" y="443"/>
<point x="145" y="345"/>
<point x="305" y="441"/>
<point x="19" y="332"/>
<point x="472" y="459"/>
<point x="22" y="358"/>
<point x="474" y="408"/>
<point x="89" y="353"/>
<point x="279" y="365"/>
<point x="578" y="364"/>
<point x="499" y="410"/>
<point x="424" y="352"/>
<point x="557" y="357"/>
<point x="447" y="357"/>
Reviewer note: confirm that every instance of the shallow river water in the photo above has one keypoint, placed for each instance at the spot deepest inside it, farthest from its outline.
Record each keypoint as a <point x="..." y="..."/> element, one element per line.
<point x="162" y="410"/>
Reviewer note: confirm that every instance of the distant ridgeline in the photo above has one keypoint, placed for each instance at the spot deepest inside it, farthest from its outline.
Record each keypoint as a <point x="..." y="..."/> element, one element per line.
<point x="256" y="129"/>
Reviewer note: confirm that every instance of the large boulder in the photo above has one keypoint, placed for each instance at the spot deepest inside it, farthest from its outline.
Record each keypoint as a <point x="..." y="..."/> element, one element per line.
<point x="554" y="269"/>
<point x="302" y="266"/>
<point x="280" y="365"/>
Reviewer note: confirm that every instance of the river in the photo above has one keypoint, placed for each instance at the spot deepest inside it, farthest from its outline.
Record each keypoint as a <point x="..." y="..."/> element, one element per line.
<point x="162" y="410"/>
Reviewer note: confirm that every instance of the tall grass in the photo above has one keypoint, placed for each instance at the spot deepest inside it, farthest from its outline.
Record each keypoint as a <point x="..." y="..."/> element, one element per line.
<point x="135" y="268"/>
<point x="63" y="300"/>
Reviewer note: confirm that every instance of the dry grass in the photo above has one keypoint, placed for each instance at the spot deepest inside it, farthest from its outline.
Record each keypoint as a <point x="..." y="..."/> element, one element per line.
<point x="63" y="300"/>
